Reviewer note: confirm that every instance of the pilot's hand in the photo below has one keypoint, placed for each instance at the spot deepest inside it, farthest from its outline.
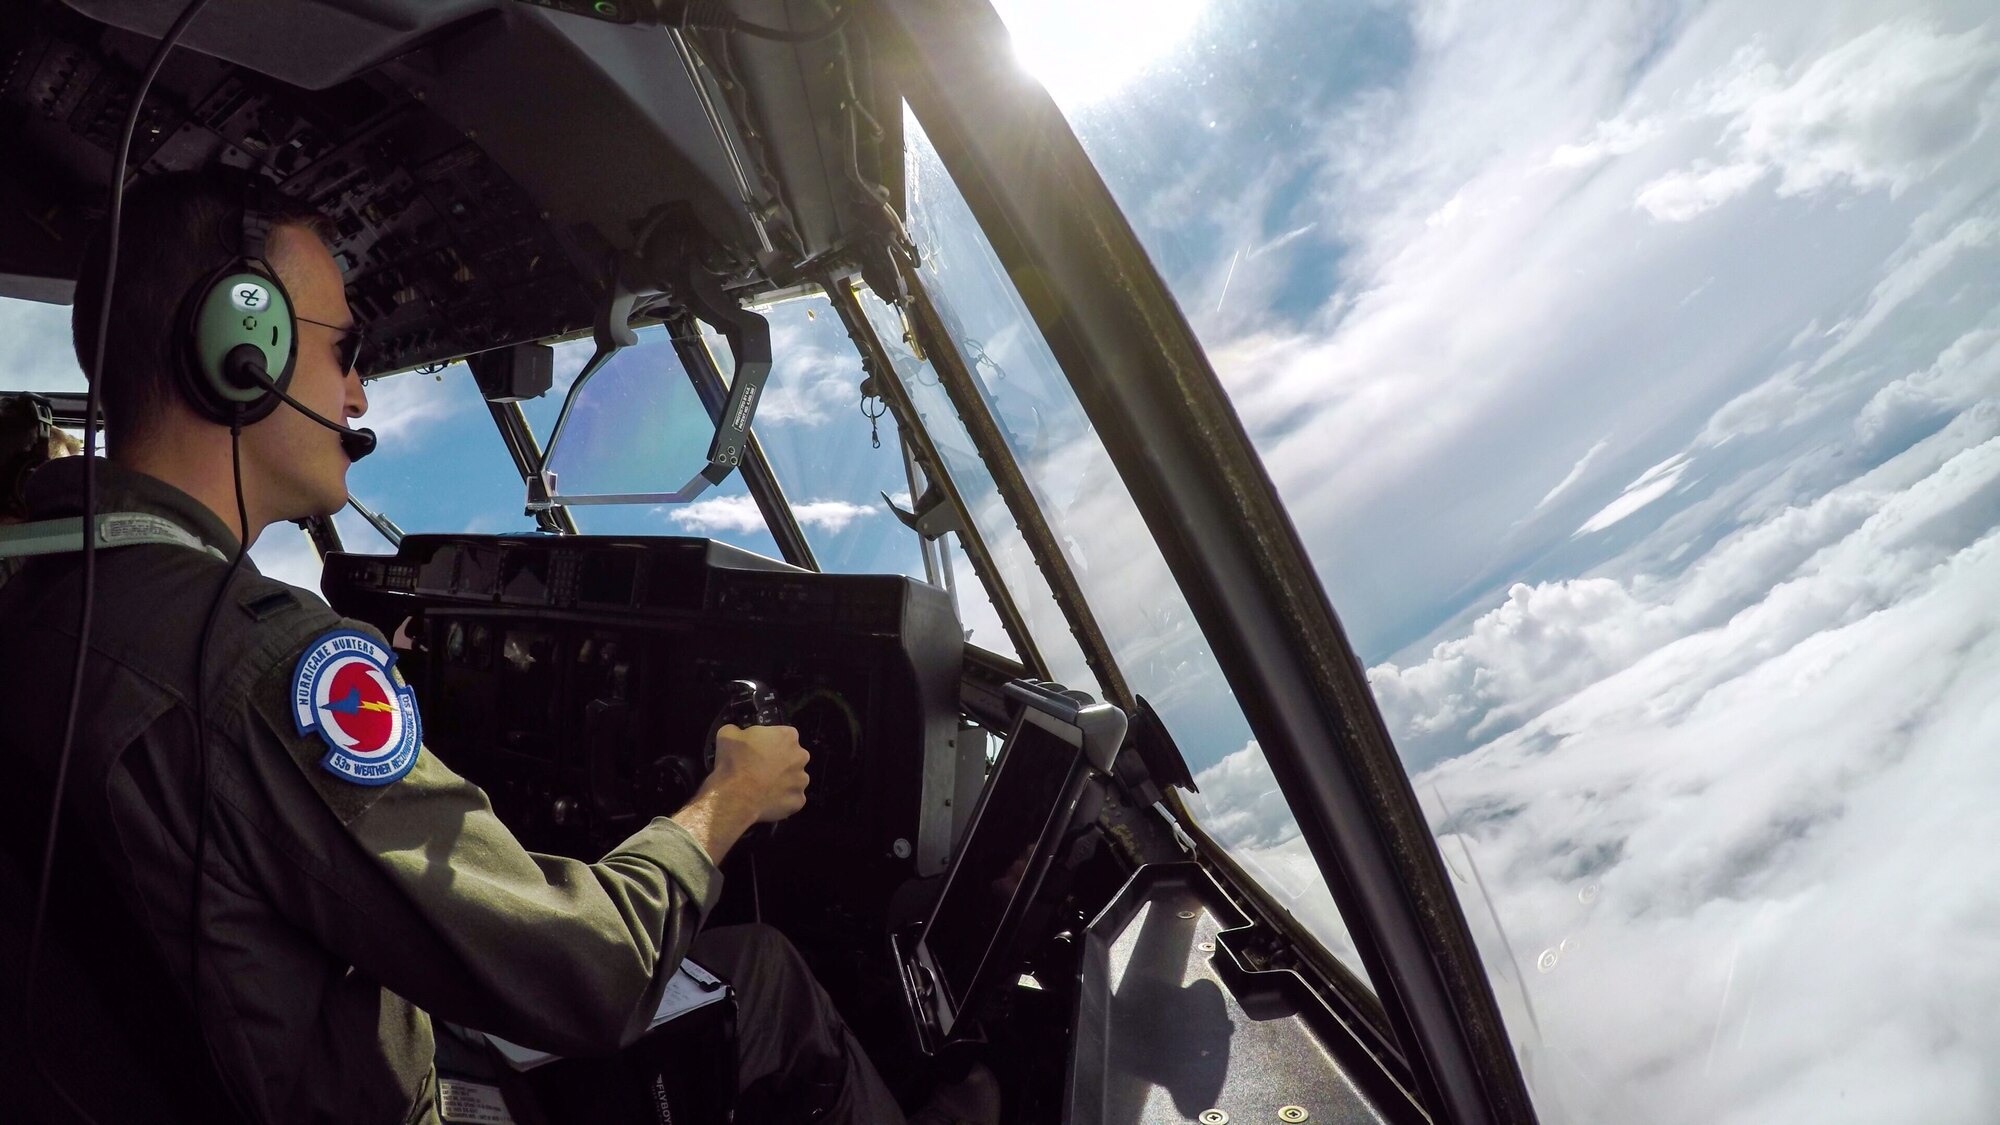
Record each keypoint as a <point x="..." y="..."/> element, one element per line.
<point x="761" y="771"/>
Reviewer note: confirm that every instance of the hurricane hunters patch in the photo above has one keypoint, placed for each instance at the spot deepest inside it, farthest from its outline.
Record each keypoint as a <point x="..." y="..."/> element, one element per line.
<point x="346" y="689"/>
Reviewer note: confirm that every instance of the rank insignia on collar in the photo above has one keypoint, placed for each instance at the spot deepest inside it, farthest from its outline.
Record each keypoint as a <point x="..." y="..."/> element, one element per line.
<point x="345" y="688"/>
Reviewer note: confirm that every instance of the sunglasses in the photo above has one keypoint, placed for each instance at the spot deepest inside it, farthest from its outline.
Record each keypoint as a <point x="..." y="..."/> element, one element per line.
<point x="346" y="348"/>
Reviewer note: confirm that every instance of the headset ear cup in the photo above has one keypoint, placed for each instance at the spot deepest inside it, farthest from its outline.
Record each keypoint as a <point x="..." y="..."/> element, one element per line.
<point x="241" y="321"/>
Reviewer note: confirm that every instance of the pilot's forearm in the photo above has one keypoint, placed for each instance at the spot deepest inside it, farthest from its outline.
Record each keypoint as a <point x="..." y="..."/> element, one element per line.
<point x="715" y="820"/>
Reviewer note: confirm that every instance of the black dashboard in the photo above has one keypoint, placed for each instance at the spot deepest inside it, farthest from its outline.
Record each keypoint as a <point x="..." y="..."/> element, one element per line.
<point x="578" y="681"/>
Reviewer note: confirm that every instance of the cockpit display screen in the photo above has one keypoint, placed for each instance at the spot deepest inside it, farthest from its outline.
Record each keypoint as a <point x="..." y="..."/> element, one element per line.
<point x="1022" y="815"/>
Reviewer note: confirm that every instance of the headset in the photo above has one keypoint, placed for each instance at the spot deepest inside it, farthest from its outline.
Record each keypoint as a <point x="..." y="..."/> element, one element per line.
<point x="240" y="340"/>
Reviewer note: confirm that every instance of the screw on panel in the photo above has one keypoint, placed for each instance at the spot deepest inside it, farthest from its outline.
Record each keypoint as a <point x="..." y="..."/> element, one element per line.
<point x="1186" y="914"/>
<point x="1206" y="946"/>
<point x="1213" y="1117"/>
<point x="1293" y="1113"/>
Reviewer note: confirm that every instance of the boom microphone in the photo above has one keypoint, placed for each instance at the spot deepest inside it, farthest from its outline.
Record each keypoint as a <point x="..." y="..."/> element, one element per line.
<point x="356" y="443"/>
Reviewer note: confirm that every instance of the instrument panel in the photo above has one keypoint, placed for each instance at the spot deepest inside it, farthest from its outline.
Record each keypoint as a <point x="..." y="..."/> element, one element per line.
<point x="579" y="679"/>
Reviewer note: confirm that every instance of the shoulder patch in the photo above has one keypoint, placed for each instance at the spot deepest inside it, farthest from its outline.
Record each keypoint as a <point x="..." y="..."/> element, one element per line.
<point x="346" y="689"/>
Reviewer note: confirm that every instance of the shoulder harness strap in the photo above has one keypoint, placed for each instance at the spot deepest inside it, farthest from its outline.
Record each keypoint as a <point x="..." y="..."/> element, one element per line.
<point x="114" y="529"/>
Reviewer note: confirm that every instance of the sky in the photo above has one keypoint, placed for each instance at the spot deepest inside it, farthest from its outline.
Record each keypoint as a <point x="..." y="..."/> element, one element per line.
<point x="1630" y="370"/>
<point x="1632" y="373"/>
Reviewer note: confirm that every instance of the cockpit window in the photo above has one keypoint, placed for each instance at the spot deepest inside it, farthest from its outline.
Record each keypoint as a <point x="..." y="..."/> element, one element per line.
<point x="834" y="462"/>
<point x="635" y="427"/>
<point x="1011" y="556"/>
<point x="837" y="455"/>
<point x="1631" y="376"/>
<point x="1146" y="621"/>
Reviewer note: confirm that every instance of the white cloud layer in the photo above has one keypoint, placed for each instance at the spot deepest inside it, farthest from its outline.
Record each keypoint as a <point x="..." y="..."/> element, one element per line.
<point x="1736" y="825"/>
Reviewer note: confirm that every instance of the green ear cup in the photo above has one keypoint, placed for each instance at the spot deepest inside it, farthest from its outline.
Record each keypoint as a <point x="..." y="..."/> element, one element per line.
<point x="244" y="307"/>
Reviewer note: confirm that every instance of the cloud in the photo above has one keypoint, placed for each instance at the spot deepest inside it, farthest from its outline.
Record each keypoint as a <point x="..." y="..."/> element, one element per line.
<point x="570" y="356"/>
<point x="1708" y="814"/>
<point x="1714" y="832"/>
<point x="1575" y="474"/>
<point x="1719" y="777"/>
<point x="1651" y="485"/>
<point x="35" y="351"/>
<point x="403" y="406"/>
<point x="287" y="554"/>
<point x="1883" y="110"/>
<point x="809" y="386"/>
<point x="1615" y="137"/>
<point x="740" y="514"/>
<point x="833" y="515"/>
<point x="720" y="513"/>
<point x="1681" y="196"/>
<point x="1965" y="373"/>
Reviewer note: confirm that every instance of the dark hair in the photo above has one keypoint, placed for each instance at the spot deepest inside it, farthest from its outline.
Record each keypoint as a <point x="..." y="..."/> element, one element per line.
<point x="178" y="228"/>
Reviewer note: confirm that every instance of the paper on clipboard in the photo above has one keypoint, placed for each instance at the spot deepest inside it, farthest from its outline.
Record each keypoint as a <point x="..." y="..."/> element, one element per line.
<point x="692" y="988"/>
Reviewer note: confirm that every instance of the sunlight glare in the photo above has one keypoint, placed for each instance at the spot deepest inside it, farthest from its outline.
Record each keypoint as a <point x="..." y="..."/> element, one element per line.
<point x="1083" y="52"/>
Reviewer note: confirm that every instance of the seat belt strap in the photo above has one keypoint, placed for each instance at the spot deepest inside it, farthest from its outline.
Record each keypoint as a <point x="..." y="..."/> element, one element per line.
<point x="114" y="529"/>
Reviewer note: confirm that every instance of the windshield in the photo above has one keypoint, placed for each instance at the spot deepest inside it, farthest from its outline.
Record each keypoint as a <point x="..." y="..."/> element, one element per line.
<point x="635" y="431"/>
<point x="838" y="454"/>
<point x="1629" y="371"/>
<point x="1011" y="556"/>
<point x="1146" y="621"/>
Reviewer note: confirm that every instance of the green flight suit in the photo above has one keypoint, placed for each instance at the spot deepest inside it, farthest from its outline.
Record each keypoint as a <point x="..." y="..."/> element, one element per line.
<point x="333" y="910"/>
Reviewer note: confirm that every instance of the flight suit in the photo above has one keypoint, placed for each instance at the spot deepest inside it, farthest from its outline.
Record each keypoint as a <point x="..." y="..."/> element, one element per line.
<point x="341" y="917"/>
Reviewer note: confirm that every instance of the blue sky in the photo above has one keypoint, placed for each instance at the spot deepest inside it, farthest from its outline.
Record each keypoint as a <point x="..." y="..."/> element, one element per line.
<point x="1632" y="372"/>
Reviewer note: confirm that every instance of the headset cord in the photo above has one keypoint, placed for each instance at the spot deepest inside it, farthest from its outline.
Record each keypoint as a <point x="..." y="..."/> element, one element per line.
<point x="202" y="733"/>
<point x="92" y="401"/>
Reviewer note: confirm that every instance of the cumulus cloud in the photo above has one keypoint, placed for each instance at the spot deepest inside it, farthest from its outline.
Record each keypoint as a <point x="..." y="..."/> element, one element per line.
<point x="833" y="515"/>
<point x="740" y="514"/>
<point x="1882" y="110"/>
<point x="1715" y="818"/>
<point x="1965" y="373"/>
<point x="1721" y="755"/>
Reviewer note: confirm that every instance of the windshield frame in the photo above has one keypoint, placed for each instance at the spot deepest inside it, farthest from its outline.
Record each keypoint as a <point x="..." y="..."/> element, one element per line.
<point x="1136" y="368"/>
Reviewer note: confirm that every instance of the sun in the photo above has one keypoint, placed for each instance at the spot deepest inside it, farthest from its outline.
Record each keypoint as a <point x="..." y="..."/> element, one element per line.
<point x="1084" y="52"/>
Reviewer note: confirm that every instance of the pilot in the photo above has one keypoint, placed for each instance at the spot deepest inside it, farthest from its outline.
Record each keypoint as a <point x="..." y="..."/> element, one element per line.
<point x="350" y="886"/>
